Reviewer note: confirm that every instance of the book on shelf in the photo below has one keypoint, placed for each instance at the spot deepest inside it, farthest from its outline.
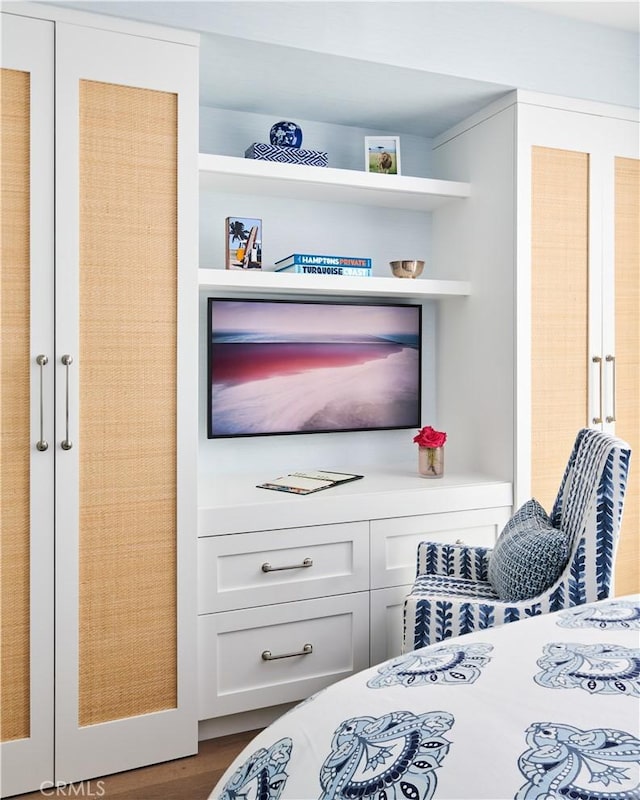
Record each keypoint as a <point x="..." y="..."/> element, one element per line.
<point x="309" y="482"/>
<point x="320" y="269"/>
<point x="311" y="259"/>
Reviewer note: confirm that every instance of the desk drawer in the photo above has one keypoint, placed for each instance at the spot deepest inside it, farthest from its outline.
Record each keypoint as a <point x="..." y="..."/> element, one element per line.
<point x="233" y="675"/>
<point x="394" y="542"/>
<point x="254" y="569"/>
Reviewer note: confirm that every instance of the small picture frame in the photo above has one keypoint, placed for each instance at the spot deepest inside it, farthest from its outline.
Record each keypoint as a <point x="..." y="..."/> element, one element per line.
<point x="382" y="154"/>
<point x="243" y="240"/>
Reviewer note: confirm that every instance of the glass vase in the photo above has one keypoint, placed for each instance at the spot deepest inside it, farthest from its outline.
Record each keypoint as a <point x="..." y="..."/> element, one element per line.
<point x="431" y="462"/>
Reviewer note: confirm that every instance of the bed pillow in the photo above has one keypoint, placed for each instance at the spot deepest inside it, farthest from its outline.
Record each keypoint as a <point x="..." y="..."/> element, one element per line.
<point x="529" y="556"/>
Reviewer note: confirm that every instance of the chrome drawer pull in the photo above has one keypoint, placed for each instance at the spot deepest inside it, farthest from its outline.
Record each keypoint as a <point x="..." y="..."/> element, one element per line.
<point x="612" y="360"/>
<point x="266" y="567"/>
<point x="597" y="360"/>
<point x="267" y="655"/>
<point x="42" y="444"/>
<point x="66" y="443"/>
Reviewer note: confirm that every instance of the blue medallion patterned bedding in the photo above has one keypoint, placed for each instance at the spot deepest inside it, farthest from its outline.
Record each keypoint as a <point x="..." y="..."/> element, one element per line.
<point x="545" y="708"/>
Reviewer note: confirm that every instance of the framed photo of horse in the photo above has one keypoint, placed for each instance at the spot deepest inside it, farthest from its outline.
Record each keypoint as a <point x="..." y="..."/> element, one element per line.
<point x="382" y="154"/>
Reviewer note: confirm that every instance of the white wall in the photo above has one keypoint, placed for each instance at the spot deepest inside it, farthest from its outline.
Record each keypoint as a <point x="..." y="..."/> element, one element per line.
<point x="229" y="133"/>
<point x="501" y="42"/>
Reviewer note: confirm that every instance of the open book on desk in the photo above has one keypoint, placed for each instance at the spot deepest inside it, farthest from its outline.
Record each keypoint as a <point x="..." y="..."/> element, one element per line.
<point x="309" y="481"/>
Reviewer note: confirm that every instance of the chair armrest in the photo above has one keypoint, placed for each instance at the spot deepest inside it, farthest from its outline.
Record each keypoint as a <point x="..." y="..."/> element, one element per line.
<point x="455" y="560"/>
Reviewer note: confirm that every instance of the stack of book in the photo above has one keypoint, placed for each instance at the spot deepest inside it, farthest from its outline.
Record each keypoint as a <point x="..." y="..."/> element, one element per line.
<point x="310" y="264"/>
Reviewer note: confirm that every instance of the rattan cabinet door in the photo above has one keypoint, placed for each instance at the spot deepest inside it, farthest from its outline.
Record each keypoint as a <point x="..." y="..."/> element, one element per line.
<point x="560" y="283"/>
<point x="126" y="112"/>
<point x="26" y="404"/>
<point x="624" y="404"/>
<point x="585" y="344"/>
<point x="121" y="577"/>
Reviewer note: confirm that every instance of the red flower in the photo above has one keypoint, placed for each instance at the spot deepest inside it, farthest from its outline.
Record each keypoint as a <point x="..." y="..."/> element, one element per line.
<point x="429" y="437"/>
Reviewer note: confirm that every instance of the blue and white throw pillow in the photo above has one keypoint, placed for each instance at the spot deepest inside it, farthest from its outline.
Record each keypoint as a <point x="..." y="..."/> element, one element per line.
<point x="529" y="555"/>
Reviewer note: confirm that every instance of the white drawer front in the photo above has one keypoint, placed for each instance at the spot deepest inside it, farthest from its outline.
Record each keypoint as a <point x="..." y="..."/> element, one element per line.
<point x="255" y="569"/>
<point x="394" y="542"/>
<point x="233" y="676"/>
<point x="387" y="620"/>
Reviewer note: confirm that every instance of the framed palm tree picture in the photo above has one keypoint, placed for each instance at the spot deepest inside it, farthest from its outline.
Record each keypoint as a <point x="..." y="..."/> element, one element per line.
<point x="243" y="243"/>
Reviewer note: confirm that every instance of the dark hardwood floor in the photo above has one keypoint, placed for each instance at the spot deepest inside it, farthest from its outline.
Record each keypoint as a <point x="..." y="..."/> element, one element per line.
<point x="190" y="778"/>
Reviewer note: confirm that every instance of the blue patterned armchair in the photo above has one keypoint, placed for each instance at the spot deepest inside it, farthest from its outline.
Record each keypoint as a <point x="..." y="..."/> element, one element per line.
<point x="457" y="590"/>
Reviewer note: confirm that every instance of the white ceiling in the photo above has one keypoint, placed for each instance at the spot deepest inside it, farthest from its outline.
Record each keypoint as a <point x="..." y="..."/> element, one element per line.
<point x="622" y="15"/>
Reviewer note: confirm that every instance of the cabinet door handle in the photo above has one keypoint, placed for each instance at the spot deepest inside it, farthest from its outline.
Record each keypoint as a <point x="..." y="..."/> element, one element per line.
<point x="612" y="360"/>
<point x="42" y="444"/>
<point x="266" y="567"/>
<point x="267" y="655"/>
<point x="597" y="360"/>
<point x="66" y="443"/>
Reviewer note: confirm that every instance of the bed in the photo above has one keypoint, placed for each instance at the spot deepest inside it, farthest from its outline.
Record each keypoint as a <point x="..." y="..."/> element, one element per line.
<point x="547" y="707"/>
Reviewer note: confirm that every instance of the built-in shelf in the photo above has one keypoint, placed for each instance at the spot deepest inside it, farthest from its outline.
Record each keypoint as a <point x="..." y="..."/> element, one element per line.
<point x="233" y="504"/>
<point x="265" y="282"/>
<point x="326" y="184"/>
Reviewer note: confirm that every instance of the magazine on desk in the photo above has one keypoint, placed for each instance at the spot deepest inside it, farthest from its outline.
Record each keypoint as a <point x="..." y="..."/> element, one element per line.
<point x="308" y="482"/>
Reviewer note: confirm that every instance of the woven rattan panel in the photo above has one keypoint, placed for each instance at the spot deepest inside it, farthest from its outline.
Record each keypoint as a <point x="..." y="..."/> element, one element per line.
<point x="627" y="243"/>
<point x="559" y="312"/>
<point x="127" y="369"/>
<point x="15" y="432"/>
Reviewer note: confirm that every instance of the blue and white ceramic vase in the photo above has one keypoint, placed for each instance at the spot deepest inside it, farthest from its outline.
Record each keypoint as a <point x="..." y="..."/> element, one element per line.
<point x="285" y="134"/>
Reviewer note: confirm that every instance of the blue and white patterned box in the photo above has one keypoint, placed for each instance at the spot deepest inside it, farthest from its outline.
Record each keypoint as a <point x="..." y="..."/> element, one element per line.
<point x="286" y="155"/>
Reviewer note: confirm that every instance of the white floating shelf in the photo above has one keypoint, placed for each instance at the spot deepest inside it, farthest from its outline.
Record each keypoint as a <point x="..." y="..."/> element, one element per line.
<point x="241" y="282"/>
<point x="326" y="184"/>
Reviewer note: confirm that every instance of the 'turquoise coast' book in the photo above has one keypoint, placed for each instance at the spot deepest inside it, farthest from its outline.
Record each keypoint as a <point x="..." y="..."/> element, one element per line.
<point x="310" y="269"/>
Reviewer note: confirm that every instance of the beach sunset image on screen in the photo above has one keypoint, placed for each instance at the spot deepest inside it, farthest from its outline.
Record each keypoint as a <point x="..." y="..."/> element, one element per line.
<point x="279" y="367"/>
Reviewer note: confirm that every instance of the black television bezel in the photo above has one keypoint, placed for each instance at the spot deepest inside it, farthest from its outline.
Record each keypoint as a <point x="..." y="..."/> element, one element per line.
<point x="324" y="302"/>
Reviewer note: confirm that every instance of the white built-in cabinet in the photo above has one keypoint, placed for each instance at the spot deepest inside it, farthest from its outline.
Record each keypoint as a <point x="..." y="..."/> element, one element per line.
<point x="294" y="596"/>
<point x="492" y="372"/>
<point x="99" y="435"/>
<point x="553" y="238"/>
<point x="298" y="592"/>
<point x="582" y="173"/>
<point x="99" y="179"/>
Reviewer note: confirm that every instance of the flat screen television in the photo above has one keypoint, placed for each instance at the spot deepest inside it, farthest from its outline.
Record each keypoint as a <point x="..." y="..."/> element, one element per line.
<point x="301" y="366"/>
